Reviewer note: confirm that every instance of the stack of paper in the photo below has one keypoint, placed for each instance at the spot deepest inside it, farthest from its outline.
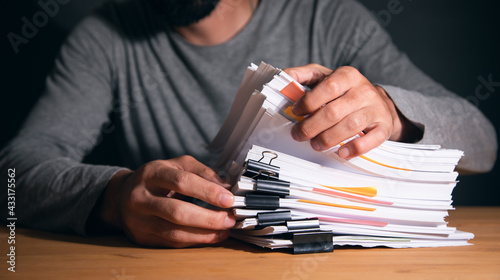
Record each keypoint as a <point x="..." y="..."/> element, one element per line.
<point x="288" y="195"/>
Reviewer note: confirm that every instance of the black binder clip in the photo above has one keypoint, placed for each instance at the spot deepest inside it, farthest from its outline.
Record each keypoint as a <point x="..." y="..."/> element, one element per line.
<point x="275" y="187"/>
<point x="256" y="201"/>
<point x="273" y="218"/>
<point x="312" y="242"/>
<point x="303" y="225"/>
<point x="258" y="170"/>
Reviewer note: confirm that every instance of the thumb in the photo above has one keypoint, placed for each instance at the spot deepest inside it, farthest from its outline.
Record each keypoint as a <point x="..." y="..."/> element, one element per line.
<point x="190" y="164"/>
<point x="309" y="74"/>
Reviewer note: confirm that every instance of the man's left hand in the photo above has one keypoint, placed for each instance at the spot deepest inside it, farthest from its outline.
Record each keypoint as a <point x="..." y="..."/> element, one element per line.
<point x="341" y="104"/>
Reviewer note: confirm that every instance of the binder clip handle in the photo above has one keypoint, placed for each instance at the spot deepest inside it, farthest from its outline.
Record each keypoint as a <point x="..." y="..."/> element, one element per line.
<point x="268" y="152"/>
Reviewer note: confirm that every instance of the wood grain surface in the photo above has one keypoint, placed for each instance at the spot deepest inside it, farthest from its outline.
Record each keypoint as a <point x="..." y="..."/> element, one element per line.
<point x="42" y="255"/>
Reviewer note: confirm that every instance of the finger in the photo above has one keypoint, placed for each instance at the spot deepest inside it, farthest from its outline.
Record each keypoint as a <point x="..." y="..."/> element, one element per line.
<point x="333" y="86"/>
<point x="308" y="74"/>
<point x="187" y="214"/>
<point x="145" y="236"/>
<point x="190" y="164"/>
<point x="328" y="116"/>
<point x="181" y="236"/>
<point x="372" y="139"/>
<point x="154" y="241"/>
<point x="158" y="174"/>
<point x="158" y="233"/>
<point x="344" y="129"/>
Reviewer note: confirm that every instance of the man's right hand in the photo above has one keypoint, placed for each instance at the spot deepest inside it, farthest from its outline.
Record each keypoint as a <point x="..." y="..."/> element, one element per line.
<point x="146" y="204"/>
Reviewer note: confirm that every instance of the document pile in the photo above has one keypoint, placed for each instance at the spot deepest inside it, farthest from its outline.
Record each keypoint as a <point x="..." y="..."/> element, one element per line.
<point x="290" y="196"/>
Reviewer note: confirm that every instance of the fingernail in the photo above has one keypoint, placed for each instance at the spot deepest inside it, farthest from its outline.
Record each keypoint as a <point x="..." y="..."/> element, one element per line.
<point x="296" y="110"/>
<point x="295" y="136"/>
<point x="229" y="223"/>
<point x="223" y="234"/>
<point x="344" y="152"/>
<point x="315" y="145"/>
<point x="226" y="200"/>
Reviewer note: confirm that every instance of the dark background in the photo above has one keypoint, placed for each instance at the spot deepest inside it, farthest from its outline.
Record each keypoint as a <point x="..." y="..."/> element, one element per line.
<point x="455" y="43"/>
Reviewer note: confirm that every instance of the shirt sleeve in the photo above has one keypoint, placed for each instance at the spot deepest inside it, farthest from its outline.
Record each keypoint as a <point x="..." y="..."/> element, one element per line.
<point x="54" y="190"/>
<point x="444" y="117"/>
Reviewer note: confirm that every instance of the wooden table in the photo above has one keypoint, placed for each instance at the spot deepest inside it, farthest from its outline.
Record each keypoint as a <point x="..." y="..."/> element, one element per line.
<point x="41" y="255"/>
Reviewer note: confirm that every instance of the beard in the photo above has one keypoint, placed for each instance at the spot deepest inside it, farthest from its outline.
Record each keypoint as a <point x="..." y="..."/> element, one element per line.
<point x="179" y="13"/>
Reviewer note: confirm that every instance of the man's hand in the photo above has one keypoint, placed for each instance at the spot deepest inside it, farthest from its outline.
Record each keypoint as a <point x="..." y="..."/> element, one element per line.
<point x="146" y="204"/>
<point x="341" y="104"/>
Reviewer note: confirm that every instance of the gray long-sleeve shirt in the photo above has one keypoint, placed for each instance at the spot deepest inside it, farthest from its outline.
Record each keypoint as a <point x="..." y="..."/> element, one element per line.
<point x="123" y="69"/>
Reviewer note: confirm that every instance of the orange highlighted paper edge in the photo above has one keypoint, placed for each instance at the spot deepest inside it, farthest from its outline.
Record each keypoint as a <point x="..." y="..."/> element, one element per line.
<point x="352" y="221"/>
<point x="385" y="165"/>
<point x="366" y="191"/>
<point x="377" y="162"/>
<point x="352" y="197"/>
<point x="336" y="205"/>
<point x="293" y="91"/>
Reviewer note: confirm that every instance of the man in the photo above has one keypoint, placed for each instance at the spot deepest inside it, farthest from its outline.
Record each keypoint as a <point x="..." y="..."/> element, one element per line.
<point x="165" y="73"/>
